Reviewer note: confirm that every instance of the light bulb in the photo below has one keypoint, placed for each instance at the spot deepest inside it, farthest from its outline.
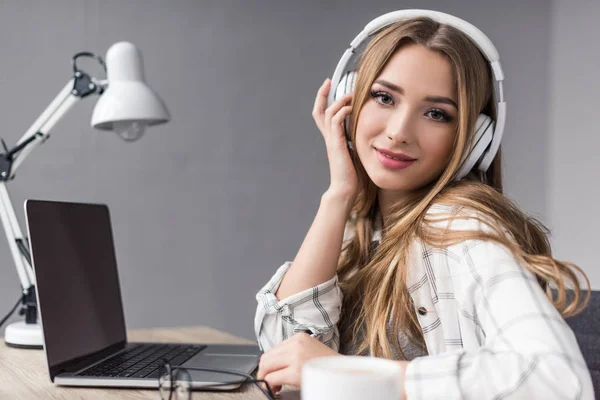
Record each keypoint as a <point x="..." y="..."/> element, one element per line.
<point x="129" y="131"/>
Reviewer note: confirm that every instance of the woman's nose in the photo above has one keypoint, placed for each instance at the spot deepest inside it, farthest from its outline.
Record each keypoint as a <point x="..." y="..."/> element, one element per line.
<point x="401" y="126"/>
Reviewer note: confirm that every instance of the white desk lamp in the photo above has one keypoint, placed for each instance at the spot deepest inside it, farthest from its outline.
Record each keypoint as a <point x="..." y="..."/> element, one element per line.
<point x="126" y="105"/>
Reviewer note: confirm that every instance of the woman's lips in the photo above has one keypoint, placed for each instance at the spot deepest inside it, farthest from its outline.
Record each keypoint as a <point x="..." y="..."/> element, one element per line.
<point x="395" y="155"/>
<point x="391" y="163"/>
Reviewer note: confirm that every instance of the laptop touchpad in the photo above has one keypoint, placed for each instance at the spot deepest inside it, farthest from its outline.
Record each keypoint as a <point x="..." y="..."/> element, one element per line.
<point x="241" y="363"/>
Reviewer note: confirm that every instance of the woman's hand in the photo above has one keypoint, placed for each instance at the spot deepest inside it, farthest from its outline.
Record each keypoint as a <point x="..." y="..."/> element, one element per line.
<point x="344" y="180"/>
<point x="282" y="365"/>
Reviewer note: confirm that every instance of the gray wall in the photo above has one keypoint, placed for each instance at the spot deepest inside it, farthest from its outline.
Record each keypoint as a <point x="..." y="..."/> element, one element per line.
<point x="206" y="207"/>
<point x="574" y="137"/>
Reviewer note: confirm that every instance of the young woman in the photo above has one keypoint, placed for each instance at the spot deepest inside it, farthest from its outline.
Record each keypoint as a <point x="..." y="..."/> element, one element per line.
<point x="404" y="260"/>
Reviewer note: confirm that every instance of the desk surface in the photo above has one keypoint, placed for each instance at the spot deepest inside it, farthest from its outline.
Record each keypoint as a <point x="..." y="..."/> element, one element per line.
<point x="24" y="373"/>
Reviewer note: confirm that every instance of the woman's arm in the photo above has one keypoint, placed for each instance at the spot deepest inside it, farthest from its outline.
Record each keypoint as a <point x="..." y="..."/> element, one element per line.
<point x="315" y="311"/>
<point x="311" y="300"/>
<point x="314" y="268"/>
<point x="317" y="259"/>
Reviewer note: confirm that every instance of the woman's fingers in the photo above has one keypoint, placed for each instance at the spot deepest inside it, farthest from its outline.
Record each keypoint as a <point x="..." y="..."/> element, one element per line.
<point x="274" y="389"/>
<point x="321" y="103"/>
<point x="336" y="107"/>
<point x="323" y="115"/>
<point x="272" y="360"/>
<point x="282" y="377"/>
<point x="338" y="120"/>
<point x="270" y="365"/>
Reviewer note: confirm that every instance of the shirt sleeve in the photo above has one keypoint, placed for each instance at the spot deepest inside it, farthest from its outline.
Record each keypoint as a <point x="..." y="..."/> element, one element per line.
<point x="528" y="350"/>
<point x="315" y="311"/>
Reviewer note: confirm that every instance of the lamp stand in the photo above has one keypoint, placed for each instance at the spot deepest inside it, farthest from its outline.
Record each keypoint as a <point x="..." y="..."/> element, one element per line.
<point x="28" y="334"/>
<point x="24" y="336"/>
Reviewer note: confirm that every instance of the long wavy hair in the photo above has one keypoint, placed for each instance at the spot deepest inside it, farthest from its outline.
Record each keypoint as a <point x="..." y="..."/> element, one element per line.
<point x="376" y="300"/>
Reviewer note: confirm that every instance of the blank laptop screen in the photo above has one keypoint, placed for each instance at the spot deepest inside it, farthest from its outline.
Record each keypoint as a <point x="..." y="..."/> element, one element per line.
<point x="76" y="272"/>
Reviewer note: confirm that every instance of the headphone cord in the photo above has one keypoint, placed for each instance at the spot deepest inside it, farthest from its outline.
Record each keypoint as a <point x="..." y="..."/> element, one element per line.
<point x="11" y="311"/>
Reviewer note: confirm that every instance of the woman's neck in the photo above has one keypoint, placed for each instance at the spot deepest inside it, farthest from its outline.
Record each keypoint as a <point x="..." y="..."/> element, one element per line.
<point x="386" y="199"/>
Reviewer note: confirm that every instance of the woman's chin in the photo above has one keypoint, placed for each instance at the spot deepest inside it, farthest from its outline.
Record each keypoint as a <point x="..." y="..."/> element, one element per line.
<point x="393" y="184"/>
<point x="383" y="184"/>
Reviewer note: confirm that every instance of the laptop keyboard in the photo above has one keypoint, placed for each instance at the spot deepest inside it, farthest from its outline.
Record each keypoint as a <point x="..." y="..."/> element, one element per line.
<point x="143" y="360"/>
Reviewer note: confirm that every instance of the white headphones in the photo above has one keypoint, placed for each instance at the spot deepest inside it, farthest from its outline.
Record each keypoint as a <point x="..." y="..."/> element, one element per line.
<point x="487" y="133"/>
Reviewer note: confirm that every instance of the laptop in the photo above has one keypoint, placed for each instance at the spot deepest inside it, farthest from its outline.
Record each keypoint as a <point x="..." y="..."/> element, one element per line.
<point x="81" y="310"/>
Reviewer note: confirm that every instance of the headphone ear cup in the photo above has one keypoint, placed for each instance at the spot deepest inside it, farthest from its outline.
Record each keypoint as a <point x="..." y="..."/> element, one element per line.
<point x="345" y="86"/>
<point x="484" y="132"/>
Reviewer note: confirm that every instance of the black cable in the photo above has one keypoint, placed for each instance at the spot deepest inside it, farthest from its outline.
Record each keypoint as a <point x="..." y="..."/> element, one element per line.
<point x="268" y="394"/>
<point x="20" y="146"/>
<point x="11" y="311"/>
<point x="87" y="54"/>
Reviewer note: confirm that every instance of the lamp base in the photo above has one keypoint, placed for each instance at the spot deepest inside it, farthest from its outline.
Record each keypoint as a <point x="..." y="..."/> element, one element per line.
<point x="24" y="336"/>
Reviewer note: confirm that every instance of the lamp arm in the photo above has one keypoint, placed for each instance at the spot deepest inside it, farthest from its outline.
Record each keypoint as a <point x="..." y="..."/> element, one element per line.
<point x="14" y="235"/>
<point x="78" y="87"/>
<point x="39" y="131"/>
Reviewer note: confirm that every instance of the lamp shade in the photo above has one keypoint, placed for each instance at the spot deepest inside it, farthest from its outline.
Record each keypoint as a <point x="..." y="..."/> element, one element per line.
<point x="127" y="100"/>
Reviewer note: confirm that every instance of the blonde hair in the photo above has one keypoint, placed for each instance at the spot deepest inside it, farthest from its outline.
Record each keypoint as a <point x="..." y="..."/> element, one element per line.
<point x="381" y="277"/>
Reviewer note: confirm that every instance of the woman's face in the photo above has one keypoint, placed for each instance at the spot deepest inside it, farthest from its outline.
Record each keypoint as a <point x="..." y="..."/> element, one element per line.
<point x="411" y="111"/>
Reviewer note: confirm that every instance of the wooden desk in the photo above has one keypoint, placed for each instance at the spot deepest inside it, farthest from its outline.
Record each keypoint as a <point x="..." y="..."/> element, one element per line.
<point x="24" y="373"/>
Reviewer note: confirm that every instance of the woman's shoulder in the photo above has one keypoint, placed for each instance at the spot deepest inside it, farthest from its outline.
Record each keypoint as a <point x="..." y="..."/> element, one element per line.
<point x="477" y="227"/>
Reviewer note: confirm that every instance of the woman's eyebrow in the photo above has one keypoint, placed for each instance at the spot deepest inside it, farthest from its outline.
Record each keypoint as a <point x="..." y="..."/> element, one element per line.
<point x="432" y="99"/>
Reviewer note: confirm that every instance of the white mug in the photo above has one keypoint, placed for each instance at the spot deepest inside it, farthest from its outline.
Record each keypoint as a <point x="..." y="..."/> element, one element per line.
<point x="351" y="378"/>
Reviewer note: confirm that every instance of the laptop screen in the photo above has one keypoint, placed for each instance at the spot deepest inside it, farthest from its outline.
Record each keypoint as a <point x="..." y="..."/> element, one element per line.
<point x="77" y="282"/>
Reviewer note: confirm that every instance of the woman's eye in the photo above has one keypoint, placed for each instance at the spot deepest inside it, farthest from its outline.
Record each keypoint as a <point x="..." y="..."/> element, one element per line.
<point x="382" y="97"/>
<point x="435" y="114"/>
<point x="438" y="115"/>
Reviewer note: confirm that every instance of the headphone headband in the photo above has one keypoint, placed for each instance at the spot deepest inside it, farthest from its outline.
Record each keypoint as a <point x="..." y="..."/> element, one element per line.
<point x="484" y="44"/>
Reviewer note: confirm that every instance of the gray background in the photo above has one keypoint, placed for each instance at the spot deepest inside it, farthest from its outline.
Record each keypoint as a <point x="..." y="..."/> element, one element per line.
<point x="574" y="138"/>
<point x="206" y="207"/>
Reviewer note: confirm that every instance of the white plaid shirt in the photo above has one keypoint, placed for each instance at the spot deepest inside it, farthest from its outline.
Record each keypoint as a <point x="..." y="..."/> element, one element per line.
<point x="490" y="330"/>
